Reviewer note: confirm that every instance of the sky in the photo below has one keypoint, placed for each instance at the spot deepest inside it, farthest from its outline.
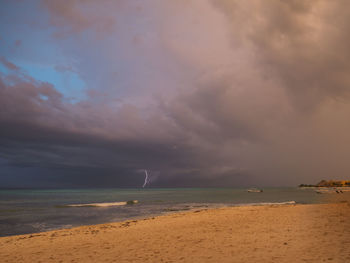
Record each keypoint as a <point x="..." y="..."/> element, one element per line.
<point x="200" y="93"/>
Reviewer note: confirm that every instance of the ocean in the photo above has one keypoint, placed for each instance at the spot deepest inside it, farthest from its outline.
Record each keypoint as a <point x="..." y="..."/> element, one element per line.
<point x="32" y="211"/>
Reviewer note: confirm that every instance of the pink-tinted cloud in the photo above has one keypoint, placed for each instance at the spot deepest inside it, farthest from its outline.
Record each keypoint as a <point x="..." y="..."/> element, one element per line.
<point x="242" y="91"/>
<point x="18" y="43"/>
<point x="77" y="15"/>
<point x="9" y="65"/>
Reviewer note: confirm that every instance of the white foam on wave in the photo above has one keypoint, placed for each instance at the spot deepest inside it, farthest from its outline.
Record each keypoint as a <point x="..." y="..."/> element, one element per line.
<point x="269" y="203"/>
<point x="104" y="204"/>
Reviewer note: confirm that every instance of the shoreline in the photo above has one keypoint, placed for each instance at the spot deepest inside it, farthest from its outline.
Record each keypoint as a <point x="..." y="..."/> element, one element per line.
<point x="57" y="210"/>
<point x="184" y="212"/>
<point x="169" y="213"/>
<point x="271" y="233"/>
<point x="205" y="206"/>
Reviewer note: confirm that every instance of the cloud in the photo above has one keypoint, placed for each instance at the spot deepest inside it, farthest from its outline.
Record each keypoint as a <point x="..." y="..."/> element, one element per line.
<point x="203" y="93"/>
<point x="8" y="64"/>
<point x="77" y="16"/>
<point x="18" y="43"/>
<point x="300" y="42"/>
<point x="44" y="131"/>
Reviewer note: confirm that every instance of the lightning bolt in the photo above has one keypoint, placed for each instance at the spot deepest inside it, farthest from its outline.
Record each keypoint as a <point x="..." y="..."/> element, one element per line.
<point x="146" y="179"/>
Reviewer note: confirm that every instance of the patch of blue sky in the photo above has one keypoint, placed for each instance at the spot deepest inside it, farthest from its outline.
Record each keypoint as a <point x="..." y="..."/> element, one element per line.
<point x="43" y="97"/>
<point x="3" y="69"/>
<point x="68" y="83"/>
<point x="4" y="72"/>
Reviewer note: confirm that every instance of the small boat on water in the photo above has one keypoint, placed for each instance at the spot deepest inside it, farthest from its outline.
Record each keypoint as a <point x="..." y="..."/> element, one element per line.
<point x="254" y="190"/>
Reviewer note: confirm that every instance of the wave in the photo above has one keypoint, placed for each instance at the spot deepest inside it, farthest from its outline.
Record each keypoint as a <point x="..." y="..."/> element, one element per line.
<point x="131" y="202"/>
<point x="268" y="203"/>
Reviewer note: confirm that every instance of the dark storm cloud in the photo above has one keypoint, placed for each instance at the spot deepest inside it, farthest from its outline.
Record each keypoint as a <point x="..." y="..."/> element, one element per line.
<point x="38" y="128"/>
<point x="213" y="93"/>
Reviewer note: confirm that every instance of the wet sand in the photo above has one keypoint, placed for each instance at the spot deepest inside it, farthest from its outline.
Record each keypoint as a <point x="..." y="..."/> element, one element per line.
<point x="289" y="233"/>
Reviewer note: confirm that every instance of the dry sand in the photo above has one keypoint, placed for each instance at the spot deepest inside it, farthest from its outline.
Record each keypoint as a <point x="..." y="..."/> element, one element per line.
<point x="292" y="233"/>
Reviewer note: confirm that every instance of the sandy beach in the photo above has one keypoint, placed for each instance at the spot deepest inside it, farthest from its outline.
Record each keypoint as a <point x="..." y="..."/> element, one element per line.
<point x="289" y="233"/>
